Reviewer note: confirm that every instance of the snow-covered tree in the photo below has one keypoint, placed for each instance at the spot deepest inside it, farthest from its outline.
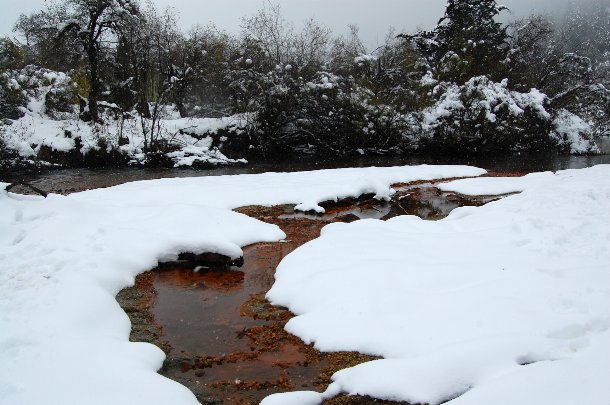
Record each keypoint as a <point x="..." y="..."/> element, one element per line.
<point x="45" y="45"/>
<point x="92" y="24"/>
<point x="467" y="41"/>
<point x="12" y="54"/>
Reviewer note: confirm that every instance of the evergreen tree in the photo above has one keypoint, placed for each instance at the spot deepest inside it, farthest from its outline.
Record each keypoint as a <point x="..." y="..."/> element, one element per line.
<point x="467" y="41"/>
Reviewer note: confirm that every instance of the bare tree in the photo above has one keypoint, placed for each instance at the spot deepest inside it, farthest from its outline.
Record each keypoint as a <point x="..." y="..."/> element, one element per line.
<point x="346" y="48"/>
<point x="310" y="45"/>
<point x="270" y="31"/>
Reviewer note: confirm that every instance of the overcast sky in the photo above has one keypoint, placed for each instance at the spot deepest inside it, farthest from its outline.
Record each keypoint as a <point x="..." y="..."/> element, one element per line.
<point x="374" y="17"/>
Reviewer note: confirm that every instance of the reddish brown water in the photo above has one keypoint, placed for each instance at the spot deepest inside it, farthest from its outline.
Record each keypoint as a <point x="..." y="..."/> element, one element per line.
<point x="227" y="344"/>
<point x="214" y="296"/>
<point x="201" y="312"/>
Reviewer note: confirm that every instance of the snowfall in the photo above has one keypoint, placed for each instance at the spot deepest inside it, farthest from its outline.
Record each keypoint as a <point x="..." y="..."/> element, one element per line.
<point x="508" y="303"/>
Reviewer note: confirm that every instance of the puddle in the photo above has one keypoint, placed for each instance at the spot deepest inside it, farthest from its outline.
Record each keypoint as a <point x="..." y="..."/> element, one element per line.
<point x="223" y="340"/>
<point x="422" y="200"/>
<point x="428" y="202"/>
<point x="196" y="309"/>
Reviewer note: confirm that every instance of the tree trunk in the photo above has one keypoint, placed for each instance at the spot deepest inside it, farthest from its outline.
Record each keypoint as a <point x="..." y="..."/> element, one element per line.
<point x="180" y="106"/>
<point x="94" y="93"/>
<point x="142" y="106"/>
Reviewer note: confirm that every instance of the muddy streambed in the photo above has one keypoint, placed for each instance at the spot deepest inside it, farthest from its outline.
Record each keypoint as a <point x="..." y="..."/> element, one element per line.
<point x="223" y="340"/>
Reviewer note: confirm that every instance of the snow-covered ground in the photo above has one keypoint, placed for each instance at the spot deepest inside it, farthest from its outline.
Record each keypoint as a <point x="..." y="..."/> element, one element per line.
<point x="63" y="131"/>
<point x="508" y="303"/>
<point x="64" y="338"/>
<point x="35" y="130"/>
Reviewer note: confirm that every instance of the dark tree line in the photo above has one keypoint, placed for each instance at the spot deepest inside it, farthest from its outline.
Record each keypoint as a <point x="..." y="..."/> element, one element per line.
<point x="464" y="86"/>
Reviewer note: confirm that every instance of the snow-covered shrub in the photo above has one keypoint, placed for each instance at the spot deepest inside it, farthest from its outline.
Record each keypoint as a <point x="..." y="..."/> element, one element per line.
<point x="41" y="90"/>
<point x="12" y="54"/>
<point x="323" y="113"/>
<point x="106" y="154"/>
<point x="48" y="127"/>
<point x="59" y="103"/>
<point x="573" y="134"/>
<point x="484" y="116"/>
<point x="307" y="116"/>
<point x="12" y="98"/>
<point x="8" y="157"/>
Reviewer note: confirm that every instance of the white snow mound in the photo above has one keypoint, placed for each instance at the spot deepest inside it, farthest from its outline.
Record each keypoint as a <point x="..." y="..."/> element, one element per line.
<point x="508" y="303"/>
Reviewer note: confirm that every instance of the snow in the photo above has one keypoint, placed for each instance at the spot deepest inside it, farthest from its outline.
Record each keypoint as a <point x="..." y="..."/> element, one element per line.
<point x="365" y="58"/>
<point x="535" y="99"/>
<point x="506" y="303"/>
<point x="491" y="98"/>
<point x="488" y="186"/>
<point x="203" y="126"/>
<point x="202" y="154"/>
<point x="428" y="79"/>
<point x="297" y="397"/>
<point x="64" y="338"/>
<point x="576" y="132"/>
<point x="450" y="102"/>
<point x="38" y="130"/>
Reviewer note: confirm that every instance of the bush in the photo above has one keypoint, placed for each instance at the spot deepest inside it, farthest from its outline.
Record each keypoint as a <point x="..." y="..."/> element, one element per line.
<point x="12" y="54"/>
<point x="482" y="116"/>
<point x="12" y="98"/>
<point x="574" y="135"/>
<point x="325" y="115"/>
<point x="104" y="155"/>
<point x="58" y="103"/>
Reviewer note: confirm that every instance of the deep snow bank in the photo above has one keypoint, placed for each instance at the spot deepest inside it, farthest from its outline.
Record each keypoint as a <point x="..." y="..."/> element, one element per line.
<point x="503" y="304"/>
<point x="63" y="337"/>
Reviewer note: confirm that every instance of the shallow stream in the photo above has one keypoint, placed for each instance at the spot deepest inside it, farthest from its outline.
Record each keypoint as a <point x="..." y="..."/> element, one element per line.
<point x="223" y="340"/>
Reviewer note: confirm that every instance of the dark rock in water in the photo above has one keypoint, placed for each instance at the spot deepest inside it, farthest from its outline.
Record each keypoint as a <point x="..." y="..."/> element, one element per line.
<point x="347" y="218"/>
<point x="344" y="202"/>
<point x="192" y="260"/>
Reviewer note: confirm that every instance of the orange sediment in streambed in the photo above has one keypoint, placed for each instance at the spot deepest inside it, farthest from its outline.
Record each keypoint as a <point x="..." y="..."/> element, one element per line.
<point x="223" y="340"/>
